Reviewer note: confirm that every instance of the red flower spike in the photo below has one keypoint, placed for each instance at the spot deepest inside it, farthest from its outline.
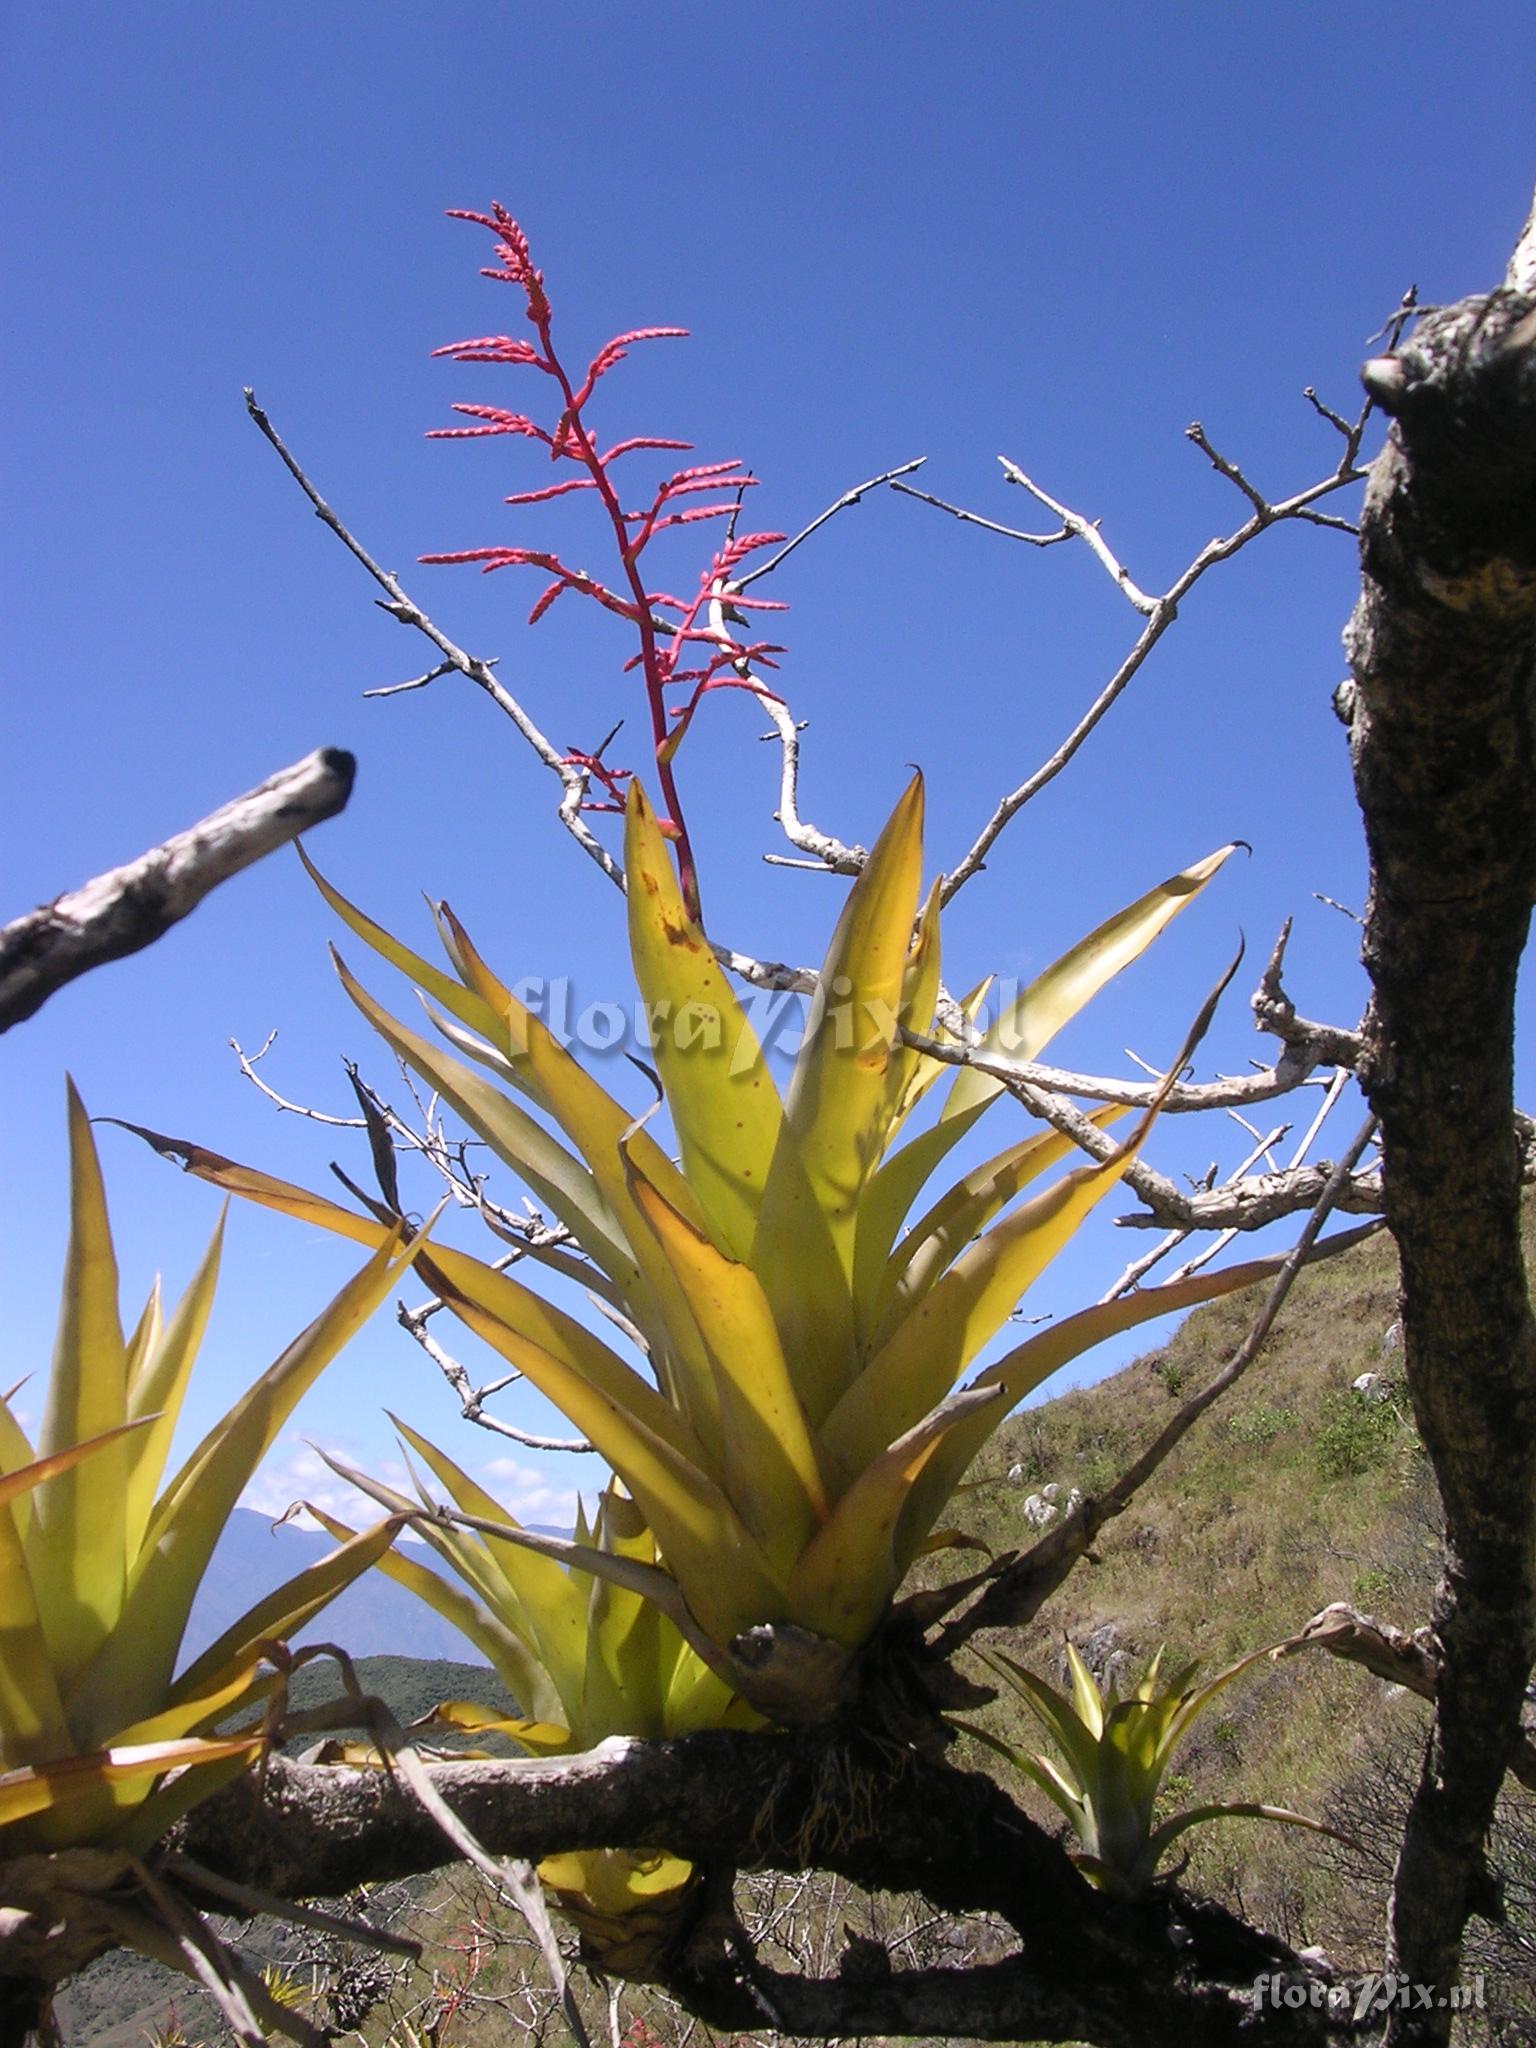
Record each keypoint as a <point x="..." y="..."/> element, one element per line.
<point x="575" y="483"/>
<point x="710" y="469"/>
<point x="499" y="558"/>
<point x="745" y="544"/>
<point x="637" y="441"/>
<point x="490" y="348"/>
<point x="615" y="351"/>
<point x="612" y="779"/>
<point x="556" y="589"/>
<point x="687" y="487"/>
<point x="516" y="264"/>
<point x="691" y="518"/>
<point x="496" y="422"/>
<point x="644" y="334"/>
<point x="666" y="625"/>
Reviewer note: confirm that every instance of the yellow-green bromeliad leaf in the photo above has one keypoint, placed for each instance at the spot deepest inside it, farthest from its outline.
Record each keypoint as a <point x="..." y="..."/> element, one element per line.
<point x="725" y="1107"/>
<point x="837" y="1117"/>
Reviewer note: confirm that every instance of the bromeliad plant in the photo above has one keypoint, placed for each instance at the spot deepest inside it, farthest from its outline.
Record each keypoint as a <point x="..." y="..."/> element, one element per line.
<point x="100" y="1741"/>
<point x="1113" y="1755"/>
<point x="586" y="1657"/>
<point x="792" y="1430"/>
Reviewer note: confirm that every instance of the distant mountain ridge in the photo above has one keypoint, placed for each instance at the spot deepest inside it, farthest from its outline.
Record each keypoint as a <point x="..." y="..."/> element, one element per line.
<point x="373" y="1618"/>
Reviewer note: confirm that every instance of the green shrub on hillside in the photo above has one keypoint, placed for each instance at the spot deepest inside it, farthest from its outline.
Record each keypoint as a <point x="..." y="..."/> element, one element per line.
<point x="1357" y="1435"/>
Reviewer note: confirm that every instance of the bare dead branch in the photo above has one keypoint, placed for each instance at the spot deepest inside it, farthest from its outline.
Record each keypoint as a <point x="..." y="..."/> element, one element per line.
<point x="1409" y="1660"/>
<point x="1274" y="1012"/>
<point x="1248" y="1203"/>
<point x="129" y="907"/>
<point x="1139" y="1268"/>
<point x="874" y="1812"/>
<point x="1034" y="540"/>
<point x="1233" y="1091"/>
<point x="1309" y="1137"/>
<point x="472" y="1399"/>
<point x="827" y="852"/>
<point x="853" y="497"/>
<point x="404" y="608"/>
<point x="1158" y="612"/>
<point x="248" y="1063"/>
<point x="443" y="668"/>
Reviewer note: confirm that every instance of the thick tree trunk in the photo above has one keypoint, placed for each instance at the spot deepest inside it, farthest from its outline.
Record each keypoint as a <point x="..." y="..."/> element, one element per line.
<point x="1442" y="716"/>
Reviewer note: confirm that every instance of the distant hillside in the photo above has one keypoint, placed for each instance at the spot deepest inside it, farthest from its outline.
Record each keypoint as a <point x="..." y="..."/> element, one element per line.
<point x="373" y="1618"/>
<point x="1292" y="1492"/>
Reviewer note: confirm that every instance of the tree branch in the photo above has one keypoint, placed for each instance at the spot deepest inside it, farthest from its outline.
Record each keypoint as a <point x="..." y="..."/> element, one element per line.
<point x="128" y="908"/>
<point x="1247" y="1203"/>
<point x="1402" y="1659"/>
<point x="829" y="1798"/>
<point x="1157" y="612"/>
<point x="402" y="607"/>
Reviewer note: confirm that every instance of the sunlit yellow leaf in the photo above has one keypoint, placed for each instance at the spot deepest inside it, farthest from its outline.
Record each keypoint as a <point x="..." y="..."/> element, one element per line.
<point x="462" y="1003"/>
<point x="1053" y="998"/>
<point x="188" y="1518"/>
<point x="919" y="992"/>
<point x="838" y="1103"/>
<point x="502" y="1648"/>
<point x="837" y="1115"/>
<point x="280" y="1614"/>
<point x="551" y="1605"/>
<point x="159" y="1386"/>
<point x="31" y="1713"/>
<point x="725" y="1107"/>
<point x="40" y="1805"/>
<point x="632" y="1653"/>
<point x="729" y="1582"/>
<point x="76" y="1545"/>
<point x="560" y="1183"/>
<point x="848" y="1573"/>
<point x="947" y="1327"/>
<point x="771" y="1469"/>
<point x="1031" y="1363"/>
<point x="1023" y="1030"/>
<point x="939" y="1237"/>
<point x="463" y="1717"/>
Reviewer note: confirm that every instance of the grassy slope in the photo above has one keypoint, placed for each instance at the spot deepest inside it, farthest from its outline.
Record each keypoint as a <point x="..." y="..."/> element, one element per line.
<point x="1289" y="1494"/>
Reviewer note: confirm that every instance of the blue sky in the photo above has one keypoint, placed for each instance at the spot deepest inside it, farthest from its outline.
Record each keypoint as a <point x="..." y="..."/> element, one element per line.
<point x="1058" y="234"/>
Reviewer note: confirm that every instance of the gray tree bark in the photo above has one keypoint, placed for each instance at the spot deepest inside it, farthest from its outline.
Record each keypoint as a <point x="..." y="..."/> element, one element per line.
<point x="129" y="907"/>
<point x="1442" y="718"/>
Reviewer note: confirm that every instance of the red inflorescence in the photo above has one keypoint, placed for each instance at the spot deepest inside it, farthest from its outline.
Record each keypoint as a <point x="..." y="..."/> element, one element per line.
<point x="665" y="644"/>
